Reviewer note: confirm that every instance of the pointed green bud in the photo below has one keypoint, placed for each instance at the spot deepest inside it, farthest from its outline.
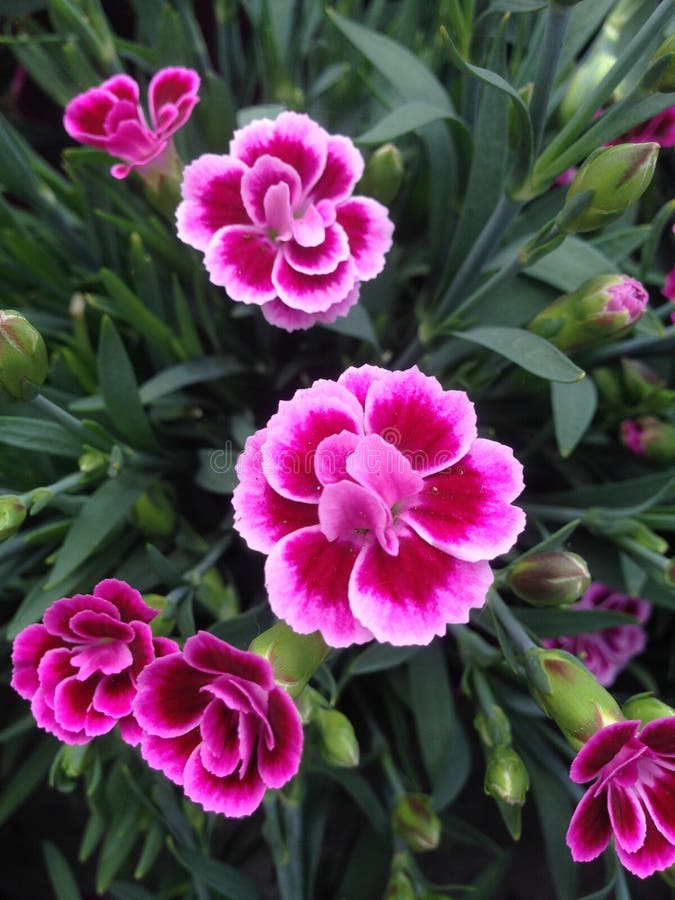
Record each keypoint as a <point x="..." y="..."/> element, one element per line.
<point x="294" y="657"/>
<point x="337" y="741"/>
<point x="383" y="175"/>
<point x="616" y="176"/>
<point x="92" y="460"/>
<point x="640" y="380"/>
<point x="646" y="707"/>
<point x="666" y="79"/>
<point x="163" y="624"/>
<point x="585" y="78"/>
<point x="23" y="356"/>
<point x="506" y="777"/>
<point x="400" y="887"/>
<point x="609" y="385"/>
<point x="219" y="597"/>
<point x="550" y="579"/>
<point x="602" y="308"/>
<point x="649" y="437"/>
<point x="415" y="821"/>
<point x="12" y="515"/>
<point x="153" y="513"/>
<point x="494" y="729"/>
<point x="574" y="700"/>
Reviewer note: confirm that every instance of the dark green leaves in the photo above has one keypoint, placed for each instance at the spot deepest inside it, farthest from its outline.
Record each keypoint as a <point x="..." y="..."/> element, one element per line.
<point x="527" y="350"/>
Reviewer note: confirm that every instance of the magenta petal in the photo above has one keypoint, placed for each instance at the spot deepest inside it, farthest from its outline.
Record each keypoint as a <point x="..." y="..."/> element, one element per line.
<point x="123" y="87"/>
<point x="130" y="731"/>
<point x="307" y="579"/>
<point x="277" y="212"/>
<point x="330" y="462"/>
<point x="240" y="259"/>
<point x="73" y="708"/>
<point x="211" y="192"/>
<point x="206" y="652"/>
<point x="54" y="667"/>
<point x="659" y="735"/>
<point x="378" y="465"/>
<point x="655" y="855"/>
<point x="232" y="796"/>
<point x="265" y="174"/>
<point x="345" y="509"/>
<point x="85" y="116"/>
<point x="134" y="143"/>
<point x="57" y="618"/>
<point x="220" y="747"/>
<point x="169" y="755"/>
<point x="369" y="230"/>
<point x="105" y="659"/>
<point x="358" y="380"/>
<point x="129" y="602"/>
<point x="278" y="764"/>
<point x="169" y="701"/>
<point x="659" y="798"/>
<point x="30" y="645"/>
<point x="277" y="313"/>
<point x="589" y="829"/>
<point x="601" y="749"/>
<point x="322" y="259"/>
<point x="308" y="228"/>
<point x="432" y="427"/>
<point x="344" y="167"/>
<point x="261" y="515"/>
<point x="172" y="97"/>
<point x="295" y="432"/>
<point x="114" y="696"/>
<point x="312" y="293"/>
<point x="627" y="817"/>
<point x="88" y="625"/>
<point x="410" y="598"/>
<point x="44" y="717"/>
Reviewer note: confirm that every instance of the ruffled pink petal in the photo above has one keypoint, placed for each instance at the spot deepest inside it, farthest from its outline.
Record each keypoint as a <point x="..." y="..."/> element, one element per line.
<point x="369" y="230"/>
<point x="267" y="173"/>
<point x="240" y="259"/>
<point x="658" y="796"/>
<point x="130" y="731"/>
<point x="123" y="87"/>
<point x="114" y="696"/>
<point x="169" y="701"/>
<point x="206" y="652"/>
<point x="104" y="659"/>
<point x="295" y="432"/>
<point x="655" y="855"/>
<point x="30" y="645"/>
<point x="88" y="625"/>
<point x="85" y="116"/>
<point x="344" y="167"/>
<point x="44" y="718"/>
<point x="308" y="228"/>
<point x="358" y="380"/>
<point x="73" y="708"/>
<point x="589" y="829"/>
<point x="57" y="618"/>
<point x="220" y="748"/>
<point x="433" y="428"/>
<point x="163" y="646"/>
<point x="172" y="95"/>
<point x="279" y="763"/>
<point x="322" y="259"/>
<point x="54" y="667"/>
<point x="627" y="818"/>
<point x="261" y="515"/>
<point x="410" y="598"/>
<point x="292" y="137"/>
<point x="348" y="510"/>
<point x="134" y="143"/>
<point x="601" y="749"/>
<point x="464" y="510"/>
<point x="232" y="796"/>
<point x="170" y="755"/>
<point x="330" y="462"/>
<point x="378" y="465"/>
<point x="312" y="293"/>
<point x="241" y="695"/>
<point x="659" y="735"/>
<point x="277" y="212"/>
<point x="307" y="579"/>
<point x="211" y="191"/>
<point x="129" y="602"/>
<point x="143" y="647"/>
<point x="277" y="313"/>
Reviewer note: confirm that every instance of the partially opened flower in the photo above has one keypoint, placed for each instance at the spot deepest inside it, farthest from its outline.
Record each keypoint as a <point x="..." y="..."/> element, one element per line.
<point x="278" y="224"/>
<point x="110" y="118"/>
<point x="216" y="723"/>
<point x="631" y="798"/>
<point x="608" y="651"/>
<point x="379" y="507"/>
<point x="79" y="668"/>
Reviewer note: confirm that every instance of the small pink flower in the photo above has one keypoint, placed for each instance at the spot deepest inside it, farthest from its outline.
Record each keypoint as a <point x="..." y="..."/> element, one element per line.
<point x="80" y="667"/>
<point x="566" y="177"/>
<point x="216" y="724"/>
<point x="607" y="652"/>
<point x="668" y="289"/>
<point x="630" y="434"/>
<point x="278" y="224"/>
<point x="631" y="798"/>
<point x="379" y="507"/>
<point x="110" y="118"/>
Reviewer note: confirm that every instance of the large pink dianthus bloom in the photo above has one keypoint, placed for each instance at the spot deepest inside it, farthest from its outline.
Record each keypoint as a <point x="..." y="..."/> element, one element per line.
<point x="110" y="118"/>
<point x="278" y="224"/>
<point x="80" y="667"/>
<point x="608" y="651"/>
<point x="378" y="506"/>
<point x="216" y="723"/>
<point x="632" y="796"/>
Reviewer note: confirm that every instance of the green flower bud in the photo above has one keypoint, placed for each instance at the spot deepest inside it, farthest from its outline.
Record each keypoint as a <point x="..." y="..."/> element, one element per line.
<point x="294" y="657"/>
<point x="337" y="741"/>
<point x="92" y="460"/>
<point x="400" y="887"/>
<point x="649" y="437"/>
<point x="153" y="513"/>
<point x="383" y="175"/>
<point x="666" y="81"/>
<point x="641" y="381"/>
<point x="494" y="729"/>
<point x="646" y="707"/>
<point x="602" y="308"/>
<point x="616" y="176"/>
<point x="609" y="385"/>
<point x="575" y="701"/>
<point x="416" y="822"/>
<point x="550" y="579"/>
<point x="506" y="777"/>
<point x="12" y="515"/>
<point x="219" y="598"/>
<point x="585" y="78"/>
<point x="23" y="356"/>
<point x="162" y="625"/>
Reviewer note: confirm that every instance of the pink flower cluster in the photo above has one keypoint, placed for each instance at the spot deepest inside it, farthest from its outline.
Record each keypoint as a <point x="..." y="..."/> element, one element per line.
<point x="607" y="652"/>
<point x="633" y="774"/>
<point x="379" y="507"/>
<point x="277" y="222"/>
<point x="110" y="118"/>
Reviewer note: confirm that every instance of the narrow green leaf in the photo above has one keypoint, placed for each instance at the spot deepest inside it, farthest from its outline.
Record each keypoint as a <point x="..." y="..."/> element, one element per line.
<point x="553" y="541"/>
<point x="131" y="309"/>
<point x="571" y="264"/>
<point x="379" y="657"/>
<point x="118" y="843"/>
<point x="433" y="709"/>
<point x="357" y="324"/>
<point x="626" y="498"/>
<point x="404" y="119"/>
<point x="61" y="875"/>
<point x="25" y="778"/>
<point x="152" y="846"/>
<point x="529" y="351"/>
<point x="39" y="435"/>
<point x="223" y="878"/>
<point x="554" y="622"/>
<point x="360" y="792"/>
<point x="574" y="406"/>
<point x="455" y="767"/>
<point x="183" y="375"/>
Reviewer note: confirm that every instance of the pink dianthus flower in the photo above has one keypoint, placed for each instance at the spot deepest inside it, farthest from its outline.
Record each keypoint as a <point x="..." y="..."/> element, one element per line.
<point x="632" y="796"/>
<point x="378" y="505"/>
<point x="668" y="289"/>
<point x="110" y="118"/>
<point x="215" y="723"/>
<point x="607" y="652"/>
<point x="277" y="222"/>
<point x="660" y="129"/>
<point x="79" y="668"/>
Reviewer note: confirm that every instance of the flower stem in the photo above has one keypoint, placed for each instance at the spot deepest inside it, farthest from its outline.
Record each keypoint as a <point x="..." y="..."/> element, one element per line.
<point x="661" y="344"/>
<point x="509" y="623"/>
<point x="563" y="514"/>
<point x="557" y="18"/>
<point x="69" y="422"/>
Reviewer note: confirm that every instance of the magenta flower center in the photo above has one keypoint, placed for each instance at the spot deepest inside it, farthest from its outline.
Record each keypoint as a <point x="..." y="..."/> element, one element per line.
<point x="628" y="296"/>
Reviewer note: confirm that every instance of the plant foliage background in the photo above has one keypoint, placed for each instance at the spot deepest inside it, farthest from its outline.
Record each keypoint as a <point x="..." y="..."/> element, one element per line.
<point x="168" y="377"/>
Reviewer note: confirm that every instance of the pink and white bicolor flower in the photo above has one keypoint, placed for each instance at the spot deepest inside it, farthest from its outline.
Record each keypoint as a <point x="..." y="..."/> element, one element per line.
<point x="110" y="118"/>
<point x="79" y="667"/>
<point x="215" y="723"/>
<point x="277" y="222"/>
<point x="379" y="507"/>
<point x="633" y="774"/>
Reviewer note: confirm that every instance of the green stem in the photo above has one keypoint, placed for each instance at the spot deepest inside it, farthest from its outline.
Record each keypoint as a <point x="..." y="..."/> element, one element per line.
<point x="509" y="623"/>
<point x="554" y="513"/>
<point x="76" y="479"/>
<point x="69" y="422"/>
<point x="557" y="18"/>
<point x="504" y="274"/>
<point x="662" y="344"/>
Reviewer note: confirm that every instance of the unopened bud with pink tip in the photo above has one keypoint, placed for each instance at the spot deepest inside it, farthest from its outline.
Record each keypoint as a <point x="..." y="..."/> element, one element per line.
<point x="550" y="579"/>
<point x="416" y="822"/>
<point x="649" y="437"/>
